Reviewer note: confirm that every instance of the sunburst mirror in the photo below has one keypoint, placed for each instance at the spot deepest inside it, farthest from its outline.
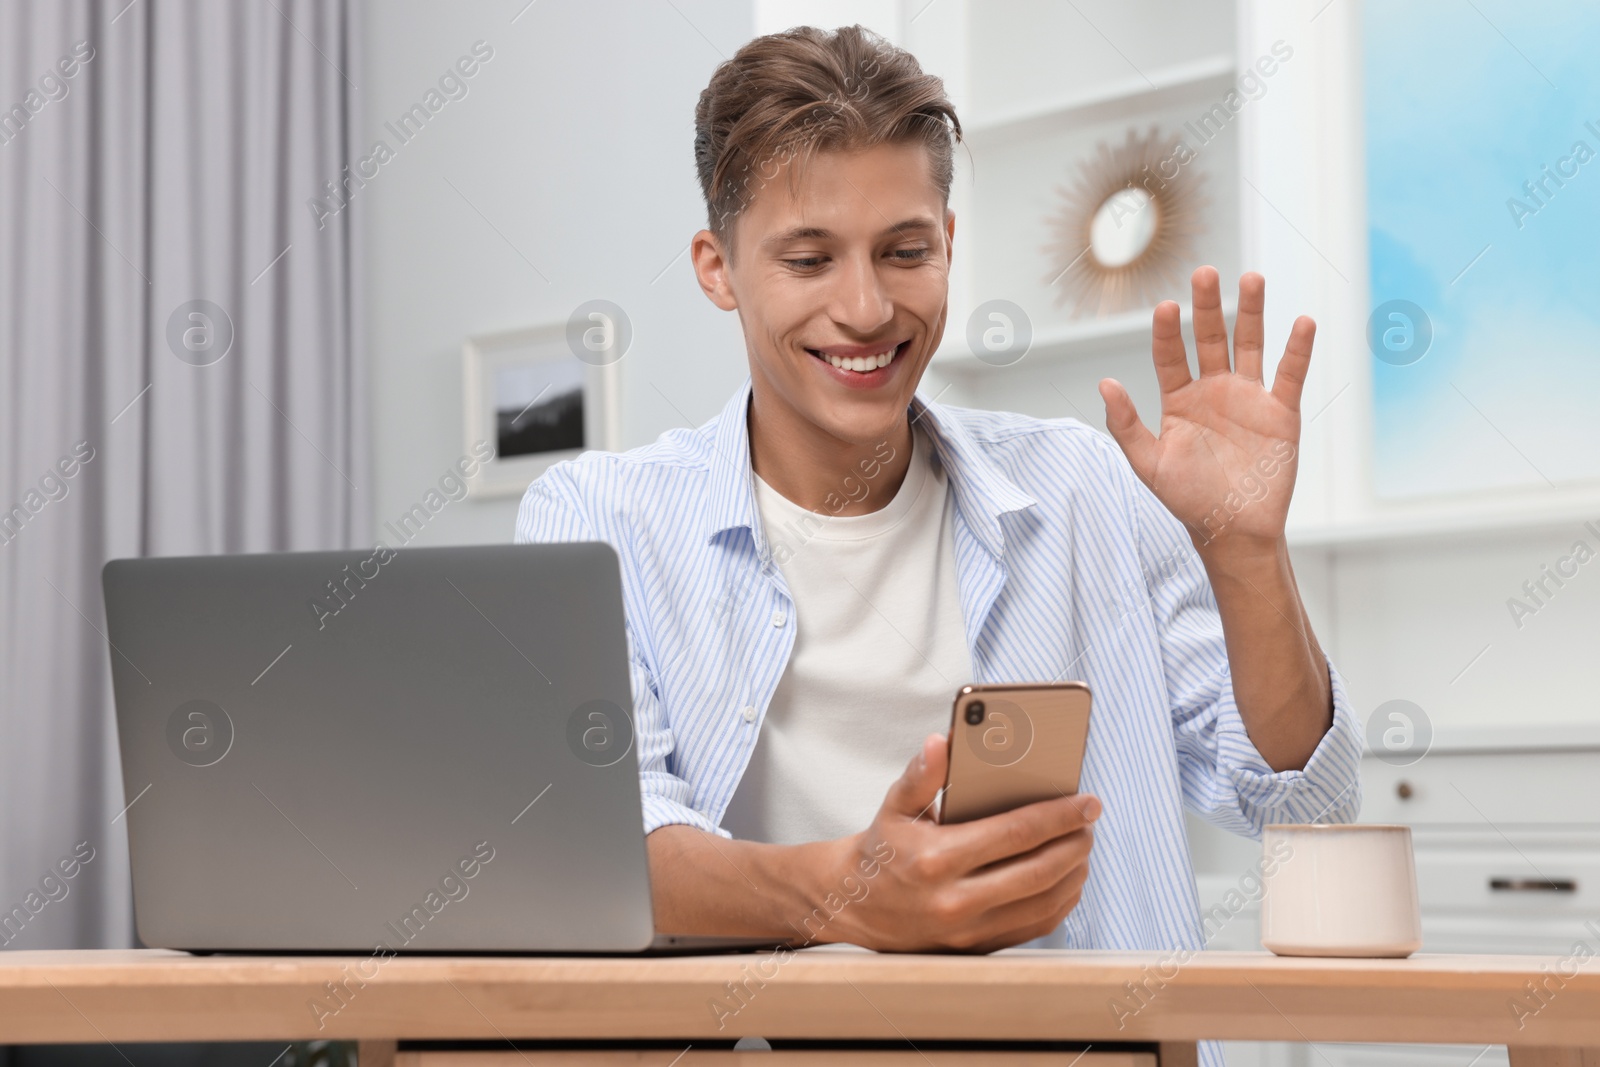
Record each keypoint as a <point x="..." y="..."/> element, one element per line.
<point x="1126" y="225"/>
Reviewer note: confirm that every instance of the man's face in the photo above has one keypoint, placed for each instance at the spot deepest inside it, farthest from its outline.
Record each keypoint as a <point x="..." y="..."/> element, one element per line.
<point x="852" y="263"/>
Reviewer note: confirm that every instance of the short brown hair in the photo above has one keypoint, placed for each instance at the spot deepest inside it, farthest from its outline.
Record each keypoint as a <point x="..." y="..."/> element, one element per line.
<point x="807" y="89"/>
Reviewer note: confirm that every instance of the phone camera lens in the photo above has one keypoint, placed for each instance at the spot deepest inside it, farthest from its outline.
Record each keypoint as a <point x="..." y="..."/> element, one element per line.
<point x="975" y="713"/>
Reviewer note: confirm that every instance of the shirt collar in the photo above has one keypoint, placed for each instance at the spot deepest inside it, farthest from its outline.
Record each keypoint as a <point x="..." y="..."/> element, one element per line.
<point x="983" y="491"/>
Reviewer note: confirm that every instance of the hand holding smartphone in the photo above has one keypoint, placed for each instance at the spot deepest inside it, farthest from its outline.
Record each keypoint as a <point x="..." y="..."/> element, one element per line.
<point x="1012" y="745"/>
<point x="992" y="877"/>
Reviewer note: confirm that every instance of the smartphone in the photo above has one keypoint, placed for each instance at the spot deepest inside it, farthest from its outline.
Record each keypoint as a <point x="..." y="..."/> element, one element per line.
<point x="1012" y="745"/>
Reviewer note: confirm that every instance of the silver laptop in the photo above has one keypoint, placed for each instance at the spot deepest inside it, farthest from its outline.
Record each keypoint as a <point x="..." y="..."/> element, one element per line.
<point x="420" y="750"/>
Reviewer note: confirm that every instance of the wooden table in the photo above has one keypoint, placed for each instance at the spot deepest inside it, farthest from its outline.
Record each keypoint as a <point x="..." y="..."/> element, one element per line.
<point x="919" y="1003"/>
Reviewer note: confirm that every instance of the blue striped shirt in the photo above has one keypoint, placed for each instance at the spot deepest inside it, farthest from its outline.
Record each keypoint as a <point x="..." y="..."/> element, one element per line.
<point x="1068" y="567"/>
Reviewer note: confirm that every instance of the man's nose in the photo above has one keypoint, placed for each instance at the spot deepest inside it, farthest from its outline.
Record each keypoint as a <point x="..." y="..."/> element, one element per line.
<point x="859" y="298"/>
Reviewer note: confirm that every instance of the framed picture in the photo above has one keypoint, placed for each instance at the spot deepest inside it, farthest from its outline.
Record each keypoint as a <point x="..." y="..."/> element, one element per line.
<point x="535" y="403"/>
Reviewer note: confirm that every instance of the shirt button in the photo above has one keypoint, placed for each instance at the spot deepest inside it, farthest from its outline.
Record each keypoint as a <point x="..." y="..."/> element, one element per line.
<point x="779" y="618"/>
<point x="749" y="713"/>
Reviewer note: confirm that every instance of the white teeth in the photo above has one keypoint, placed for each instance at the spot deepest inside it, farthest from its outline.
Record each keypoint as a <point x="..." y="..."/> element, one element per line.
<point x="863" y="363"/>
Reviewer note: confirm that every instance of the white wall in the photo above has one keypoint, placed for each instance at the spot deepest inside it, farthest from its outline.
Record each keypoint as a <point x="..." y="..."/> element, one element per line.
<point x="575" y="143"/>
<point x="881" y="16"/>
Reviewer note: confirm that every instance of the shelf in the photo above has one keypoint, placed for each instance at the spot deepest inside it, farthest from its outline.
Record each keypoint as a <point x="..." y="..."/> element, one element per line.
<point x="1214" y="72"/>
<point x="1467" y="521"/>
<point x="1057" y="342"/>
<point x="1507" y="738"/>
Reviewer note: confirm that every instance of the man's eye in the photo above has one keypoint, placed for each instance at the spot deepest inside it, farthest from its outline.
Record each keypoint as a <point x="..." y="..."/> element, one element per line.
<point x="901" y="255"/>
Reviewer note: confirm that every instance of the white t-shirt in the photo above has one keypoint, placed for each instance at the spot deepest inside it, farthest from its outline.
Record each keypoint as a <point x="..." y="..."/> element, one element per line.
<point x="880" y="650"/>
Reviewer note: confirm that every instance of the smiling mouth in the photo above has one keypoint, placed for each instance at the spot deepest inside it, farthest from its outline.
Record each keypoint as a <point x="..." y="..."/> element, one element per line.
<point x="862" y="364"/>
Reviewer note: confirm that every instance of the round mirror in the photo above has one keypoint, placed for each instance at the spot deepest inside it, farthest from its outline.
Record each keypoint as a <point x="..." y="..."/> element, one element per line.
<point x="1140" y="233"/>
<point x="1123" y="227"/>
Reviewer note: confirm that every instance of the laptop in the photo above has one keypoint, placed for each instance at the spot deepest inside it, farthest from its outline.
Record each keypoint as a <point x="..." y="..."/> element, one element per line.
<point x="414" y="750"/>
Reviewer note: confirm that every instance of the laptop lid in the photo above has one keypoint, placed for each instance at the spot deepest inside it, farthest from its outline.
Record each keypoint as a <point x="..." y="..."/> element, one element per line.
<point x="428" y="749"/>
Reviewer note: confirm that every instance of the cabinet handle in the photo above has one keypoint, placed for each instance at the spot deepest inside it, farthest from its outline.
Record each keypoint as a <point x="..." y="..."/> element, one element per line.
<point x="1533" y="885"/>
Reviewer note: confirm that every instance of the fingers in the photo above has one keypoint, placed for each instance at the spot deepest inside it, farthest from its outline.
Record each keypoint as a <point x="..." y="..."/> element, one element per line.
<point x="1166" y="347"/>
<point x="1029" y="904"/>
<point x="957" y="883"/>
<point x="912" y="794"/>
<point x="1248" y="331"/>
<point x="1131" y="435"/>
<point x="1031" y="873"/>
<point x="1034" y="916"/>
<point x="1290" y="378"/>
<point x="1210" y="329"/>
<point x="1017" y="832"/>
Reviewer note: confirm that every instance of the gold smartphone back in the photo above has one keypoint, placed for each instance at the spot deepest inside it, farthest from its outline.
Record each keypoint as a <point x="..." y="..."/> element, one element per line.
<point x="1012" y="745"/>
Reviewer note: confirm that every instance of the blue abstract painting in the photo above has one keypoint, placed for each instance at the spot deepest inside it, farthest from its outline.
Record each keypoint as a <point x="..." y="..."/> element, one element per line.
<point x="1483" y="206"/>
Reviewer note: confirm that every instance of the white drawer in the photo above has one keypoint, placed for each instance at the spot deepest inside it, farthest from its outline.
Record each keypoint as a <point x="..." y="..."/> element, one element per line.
<point x="1535" y="873"/>
<point x="1484" y="789"/>
<point x="1410" y="1056"/>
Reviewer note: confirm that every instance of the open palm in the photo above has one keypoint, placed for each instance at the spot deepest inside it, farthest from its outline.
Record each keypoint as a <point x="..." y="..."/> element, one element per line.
<point x="1226" y="459"/>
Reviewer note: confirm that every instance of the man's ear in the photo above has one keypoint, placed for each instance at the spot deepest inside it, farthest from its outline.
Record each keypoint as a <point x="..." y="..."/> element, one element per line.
<point x="711" y="269"/>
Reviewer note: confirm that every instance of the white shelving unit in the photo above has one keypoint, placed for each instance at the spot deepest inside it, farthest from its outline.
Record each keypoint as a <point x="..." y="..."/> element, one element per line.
<point x="1123" y="330"/>
<point x="1040" y="86"/>
<point x="1156" y="88"/>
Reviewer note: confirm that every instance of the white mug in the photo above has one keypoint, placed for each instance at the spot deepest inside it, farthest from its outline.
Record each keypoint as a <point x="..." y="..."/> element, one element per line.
<point x="1339" y="890"/>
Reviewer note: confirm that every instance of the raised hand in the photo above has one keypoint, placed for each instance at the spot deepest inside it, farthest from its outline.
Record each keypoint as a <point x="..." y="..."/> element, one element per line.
<point x="1225" y="461"/>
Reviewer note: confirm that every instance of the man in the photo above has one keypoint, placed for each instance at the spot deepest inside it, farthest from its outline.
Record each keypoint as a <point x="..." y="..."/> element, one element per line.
<point x="811" y="575"/>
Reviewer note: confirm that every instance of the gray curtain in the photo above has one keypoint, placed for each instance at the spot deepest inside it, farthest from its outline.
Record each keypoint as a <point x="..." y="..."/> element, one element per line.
<point x="180" y="367"/>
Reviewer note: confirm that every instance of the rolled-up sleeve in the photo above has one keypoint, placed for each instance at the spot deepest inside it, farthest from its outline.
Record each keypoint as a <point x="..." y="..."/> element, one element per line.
<point x="550" y="512"/>
<point x="1227" y="782"/>
<point x="1224" y="777"/>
